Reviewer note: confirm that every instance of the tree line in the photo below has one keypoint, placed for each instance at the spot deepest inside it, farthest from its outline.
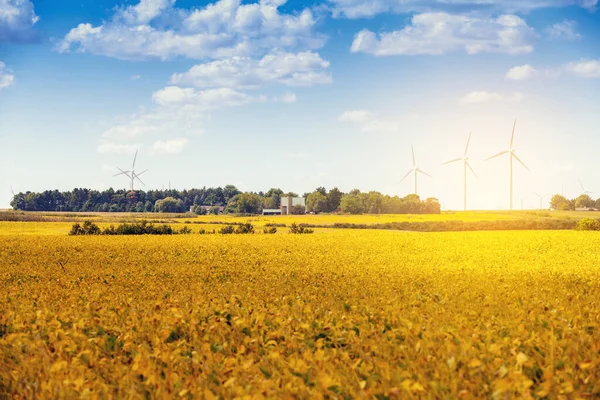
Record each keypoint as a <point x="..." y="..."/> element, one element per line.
<point x="227" y="199"/>
<point x="560" y="202"/>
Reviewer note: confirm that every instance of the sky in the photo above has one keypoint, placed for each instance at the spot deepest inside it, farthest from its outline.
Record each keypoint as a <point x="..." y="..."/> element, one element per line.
<point x="298" y="95"/>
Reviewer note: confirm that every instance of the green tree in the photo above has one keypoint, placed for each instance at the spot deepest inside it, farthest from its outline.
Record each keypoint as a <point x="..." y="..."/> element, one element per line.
<point x="351" y="203"/>
<point x="168" y="205"/>
<point x="245" y="203"/>
<point x="334" y="198"/>
<point x="229" y="191"/>
<point x="584" y="201"/>
<point x="558" y="202"/>
<point x="316" y="202"/>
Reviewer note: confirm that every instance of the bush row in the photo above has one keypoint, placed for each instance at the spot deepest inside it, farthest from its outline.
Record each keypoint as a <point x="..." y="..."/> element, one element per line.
<point x="146" y="228"/>
<point x="458" y="226"/>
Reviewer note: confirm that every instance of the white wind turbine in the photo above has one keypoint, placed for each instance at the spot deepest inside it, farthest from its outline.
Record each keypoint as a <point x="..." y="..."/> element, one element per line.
<point x="414" y="170"/>
<point x="585" y="191"/>
<point x="465" y="161"/>
<point x="511" y="153"/>
<point x="131" y="174"/>
<point x="541" y="198"/>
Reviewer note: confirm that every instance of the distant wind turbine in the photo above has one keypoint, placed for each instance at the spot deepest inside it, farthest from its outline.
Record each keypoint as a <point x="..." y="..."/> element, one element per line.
<point x="585" y="191"/>
<point x="541" y="199"/>
<point x="465" y="162"/>
<point x="511" y="152"/>
<point x="414" y="170"/>
<point x="131" y="174"/>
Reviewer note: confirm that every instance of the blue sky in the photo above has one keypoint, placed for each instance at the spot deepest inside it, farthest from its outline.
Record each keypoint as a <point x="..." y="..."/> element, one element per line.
<point x="298" y="95"/>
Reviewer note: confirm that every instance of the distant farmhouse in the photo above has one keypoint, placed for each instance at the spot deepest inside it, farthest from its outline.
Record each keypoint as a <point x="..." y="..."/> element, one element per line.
<point x="288" y="206"/>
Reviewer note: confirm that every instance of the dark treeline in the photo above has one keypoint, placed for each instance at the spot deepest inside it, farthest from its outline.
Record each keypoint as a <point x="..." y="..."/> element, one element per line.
<point x="227" y="199"/>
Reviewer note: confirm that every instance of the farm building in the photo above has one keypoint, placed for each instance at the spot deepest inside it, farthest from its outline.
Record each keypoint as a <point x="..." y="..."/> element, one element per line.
<point x="271" y="211"/>
<point x="288" y="202"/>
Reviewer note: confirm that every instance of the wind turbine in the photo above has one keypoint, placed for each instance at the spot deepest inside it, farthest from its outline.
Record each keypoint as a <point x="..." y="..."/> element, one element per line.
<point x="511" y="153"/>
<point x="541" y="198"/>
<point x="585" y="191"/>
<point x="465" y="161"/>
<point x="414" y="170"/>
<point x="131" y="174"/>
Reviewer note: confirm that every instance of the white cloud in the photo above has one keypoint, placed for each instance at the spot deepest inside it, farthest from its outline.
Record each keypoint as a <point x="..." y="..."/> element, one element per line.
<point x="135" y="77"/>
<point x="226" y="28"/>
<point x="369" y="8"/>
<point x="117" y="148"/>
<point x="6" y="77"/>
<point x="179" y="111"/>
<point x="522" y="72"/>
<point x="292" y="69"/>
<point x="563" y="30"/>
<point x="479" y="97"/>
<point x="174" y="146"/>
<point x="17" y="19"/>
<point x="584" y="68"/>
<point x="368" y="122"/>
<point x="440" y="33"/>
<point x="286" y="98"/>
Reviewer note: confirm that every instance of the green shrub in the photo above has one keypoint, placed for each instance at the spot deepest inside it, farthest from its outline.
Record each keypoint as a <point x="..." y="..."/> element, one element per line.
<point x="299" y="229"/>
<point x="270" y="230"/>
<point x="588" y="224"/>
<point x="88" y="228"/>
<point x="244" y="228"/>
<point x="227" y="230"/>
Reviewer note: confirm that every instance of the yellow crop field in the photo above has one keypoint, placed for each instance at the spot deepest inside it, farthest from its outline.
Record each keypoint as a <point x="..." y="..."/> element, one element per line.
<point x="337" y="314"/>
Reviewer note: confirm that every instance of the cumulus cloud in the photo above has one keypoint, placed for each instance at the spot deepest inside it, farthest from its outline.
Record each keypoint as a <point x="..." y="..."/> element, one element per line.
<point x="584" y="68"/>
<point x="177" y="110"/>
<point x="291" y="69"/>
<point x="479" y="97"/>
<point x="17" y="19"/>
<point x="286" y="98"/>
<point x="440" y="33"/>
<point x="226" y="28"/>
<point x="6" y="77"/>
<point x="173" y="146"/>
<point x="369" y="8"/>
<point x="367" y="121"/>
<point x="521" y="72"/>
<point x="563" y="30"/>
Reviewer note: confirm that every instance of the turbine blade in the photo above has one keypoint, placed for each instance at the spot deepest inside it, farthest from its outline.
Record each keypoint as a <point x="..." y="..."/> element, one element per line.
<point x="522" y="163"/>
<point x="12" y="191"/>
<point x="468" y="141"/>
<point x="141" y="172"/>
<point x="496" y="155"/>
<point x="582" y="188"/>
<point x="413" y="154"/>
<point x="512" y="138"/>
<point x="123" y="173"/>
<point x="405" y="176"/>
<point x="423" y="172"/>
<point x="537" y="195"/>
<point x="134" y="158"/>
<point x="469" y="165"/>
<point x="451" y="161"/>
<point x="138" y="178"/>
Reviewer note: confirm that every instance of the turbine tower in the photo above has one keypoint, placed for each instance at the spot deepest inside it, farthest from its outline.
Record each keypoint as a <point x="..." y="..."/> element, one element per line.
<point x="414" y="170"/>
<point x="465" y="161"/>
<point x="511" y="155"/>
<point x="131" y="174"/>
<point x="541" y="198"/>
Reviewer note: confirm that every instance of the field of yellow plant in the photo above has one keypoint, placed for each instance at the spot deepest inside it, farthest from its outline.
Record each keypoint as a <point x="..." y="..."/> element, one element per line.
<point x="337" y="314"/>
